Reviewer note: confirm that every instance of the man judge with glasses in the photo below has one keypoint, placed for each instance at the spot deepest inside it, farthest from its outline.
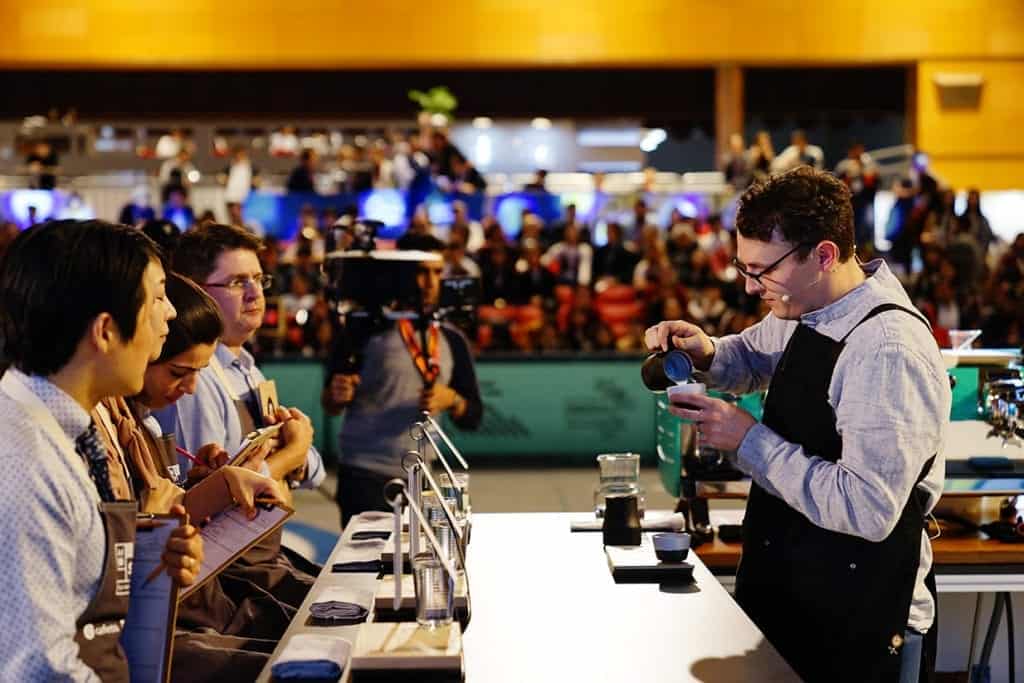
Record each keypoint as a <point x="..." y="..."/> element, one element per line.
<point x="229" y="397"/>
<point x="847" y="460"/>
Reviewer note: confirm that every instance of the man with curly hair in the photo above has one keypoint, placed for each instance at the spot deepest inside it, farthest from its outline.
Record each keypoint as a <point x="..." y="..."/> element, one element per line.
<point x="847" y="461"/>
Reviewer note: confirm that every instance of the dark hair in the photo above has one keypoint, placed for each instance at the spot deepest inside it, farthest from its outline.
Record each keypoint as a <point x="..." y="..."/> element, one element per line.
<point x="198" y="250"/>
<point x="198" y="320"/>
<point x="57" y="277"/>
<point x="165" y="233"/>
<point x="804" y="206"/>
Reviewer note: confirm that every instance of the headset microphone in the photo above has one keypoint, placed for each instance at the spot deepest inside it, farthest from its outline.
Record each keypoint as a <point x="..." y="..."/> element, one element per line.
<point x="786" y="298"/>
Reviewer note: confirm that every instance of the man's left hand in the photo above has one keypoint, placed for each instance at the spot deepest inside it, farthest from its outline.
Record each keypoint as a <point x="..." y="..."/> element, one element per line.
<point x="720" y="424"/>
<point x="437" y="398"/>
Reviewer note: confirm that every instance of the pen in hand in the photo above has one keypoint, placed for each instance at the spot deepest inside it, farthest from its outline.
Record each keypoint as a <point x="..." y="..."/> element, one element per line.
<point x="194" y="459"/>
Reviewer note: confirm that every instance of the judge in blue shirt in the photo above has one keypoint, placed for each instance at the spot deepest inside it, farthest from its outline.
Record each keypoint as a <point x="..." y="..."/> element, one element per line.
<point x="226" y="406"/>
<point x="83" y="311"/>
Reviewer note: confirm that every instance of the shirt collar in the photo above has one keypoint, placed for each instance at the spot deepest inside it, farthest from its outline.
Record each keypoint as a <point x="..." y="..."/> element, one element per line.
<point x="73" y="419"/>
<point x="243" y="361"/>
<point x="839" y="317"/>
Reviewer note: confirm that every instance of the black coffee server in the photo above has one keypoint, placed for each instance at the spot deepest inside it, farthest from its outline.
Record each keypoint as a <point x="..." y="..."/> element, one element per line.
<point x="621" y="520"/>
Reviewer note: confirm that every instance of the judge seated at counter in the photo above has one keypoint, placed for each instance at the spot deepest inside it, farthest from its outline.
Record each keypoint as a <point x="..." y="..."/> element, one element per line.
<point x="837" y="565"/>
<point x="83" y="311"/>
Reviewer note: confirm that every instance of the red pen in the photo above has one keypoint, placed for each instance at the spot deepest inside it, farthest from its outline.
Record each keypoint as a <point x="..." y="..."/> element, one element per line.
<point x="188" y="455"/>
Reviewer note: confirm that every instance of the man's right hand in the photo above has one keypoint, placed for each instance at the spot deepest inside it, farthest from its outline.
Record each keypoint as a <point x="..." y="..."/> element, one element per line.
<point x="683" y="336"/>
<point x="343" y="388"/>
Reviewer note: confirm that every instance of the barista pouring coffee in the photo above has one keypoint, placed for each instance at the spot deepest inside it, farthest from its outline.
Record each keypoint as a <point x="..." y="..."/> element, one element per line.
<point x="836" y="565"/>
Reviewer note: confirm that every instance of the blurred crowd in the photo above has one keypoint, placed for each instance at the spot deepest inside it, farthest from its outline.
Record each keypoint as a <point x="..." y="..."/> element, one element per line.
<point x="551" y="289"/>
<point x="554" y="287"/>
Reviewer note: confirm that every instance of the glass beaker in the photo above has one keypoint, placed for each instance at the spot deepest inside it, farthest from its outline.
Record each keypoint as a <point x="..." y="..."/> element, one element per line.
<point x="435" y="591"/>
<point x="619" y="475"/>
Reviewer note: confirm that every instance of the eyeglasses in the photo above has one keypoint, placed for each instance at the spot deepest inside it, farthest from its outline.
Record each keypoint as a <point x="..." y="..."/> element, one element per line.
<point x="239" y="284"/>
<point x="756" y="277"/>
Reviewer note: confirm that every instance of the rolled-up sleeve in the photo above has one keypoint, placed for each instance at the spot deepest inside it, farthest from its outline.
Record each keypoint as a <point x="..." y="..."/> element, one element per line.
<point x="315" y="470"/>
<point x="891" y="409"/>
<point x="743" y="363"/>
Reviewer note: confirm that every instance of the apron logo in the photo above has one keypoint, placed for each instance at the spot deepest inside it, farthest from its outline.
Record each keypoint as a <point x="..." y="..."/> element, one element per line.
<point x="111" y="628"/>
<point x="124" y="553"/>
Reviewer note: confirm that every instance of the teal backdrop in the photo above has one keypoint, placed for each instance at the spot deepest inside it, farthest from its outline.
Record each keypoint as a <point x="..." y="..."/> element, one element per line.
<point x="571" y="408"/>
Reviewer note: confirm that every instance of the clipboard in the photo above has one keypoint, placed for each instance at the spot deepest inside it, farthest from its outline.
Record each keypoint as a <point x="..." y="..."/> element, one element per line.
<point x="148" y="634"/>
<point x="230" y="534"/>
<point x="252" y="443"/>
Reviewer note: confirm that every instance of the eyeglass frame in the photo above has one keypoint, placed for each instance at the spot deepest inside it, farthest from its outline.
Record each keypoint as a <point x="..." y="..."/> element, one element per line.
<point x="264" y="282"/>
<point x="756" y="277"/>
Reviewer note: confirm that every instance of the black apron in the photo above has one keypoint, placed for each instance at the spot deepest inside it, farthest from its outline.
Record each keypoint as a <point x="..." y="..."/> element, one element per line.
<point x="834" y="605"/>
<point x="98" y="629"/>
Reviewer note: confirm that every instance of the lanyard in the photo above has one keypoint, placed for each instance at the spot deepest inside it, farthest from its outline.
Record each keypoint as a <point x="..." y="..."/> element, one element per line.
<point x="429" y="369"/>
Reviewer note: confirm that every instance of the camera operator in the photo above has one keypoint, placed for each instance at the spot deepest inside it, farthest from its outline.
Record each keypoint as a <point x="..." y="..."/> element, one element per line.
<point x="396" y="381"/>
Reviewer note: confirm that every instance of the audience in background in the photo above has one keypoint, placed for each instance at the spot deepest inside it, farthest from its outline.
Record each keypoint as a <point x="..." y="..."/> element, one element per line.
<point x="800" y="152"/>
<point x="42" y="165"/>
<point x="571" y="283"/>
<point x="302" y="178"/>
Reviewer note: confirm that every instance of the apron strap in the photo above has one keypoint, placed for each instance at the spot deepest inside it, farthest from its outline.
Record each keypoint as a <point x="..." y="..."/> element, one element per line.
<point x="218" y="370"/>
<point x="883" y="308"/>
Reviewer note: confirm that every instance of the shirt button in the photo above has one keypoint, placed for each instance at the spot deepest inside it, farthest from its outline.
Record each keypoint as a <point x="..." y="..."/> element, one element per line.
<point x="767" y="543"/>
<point x="853" y="565"/>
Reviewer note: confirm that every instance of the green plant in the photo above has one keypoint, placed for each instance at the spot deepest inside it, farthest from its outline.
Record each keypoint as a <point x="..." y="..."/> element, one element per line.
<point x="437" y="100"/>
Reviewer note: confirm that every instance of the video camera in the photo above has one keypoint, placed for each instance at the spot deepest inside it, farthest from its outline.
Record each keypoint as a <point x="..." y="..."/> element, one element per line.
<point x="368" y="289"/>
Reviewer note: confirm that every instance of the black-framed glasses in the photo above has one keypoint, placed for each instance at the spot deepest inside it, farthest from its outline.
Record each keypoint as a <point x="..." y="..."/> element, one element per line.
<point x="756" y="277"/>
<point x="239" y="284"/>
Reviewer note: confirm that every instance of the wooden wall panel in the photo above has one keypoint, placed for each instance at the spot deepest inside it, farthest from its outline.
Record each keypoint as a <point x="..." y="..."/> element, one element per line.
<point x="981" y="143"/>
<point x="480" y="33"/>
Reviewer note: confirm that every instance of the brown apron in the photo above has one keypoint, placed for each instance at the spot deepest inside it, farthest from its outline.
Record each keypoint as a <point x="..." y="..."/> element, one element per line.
<point x="98" y="630"/>
<point x="217" y="638"/>
<point x="267" y="567"/>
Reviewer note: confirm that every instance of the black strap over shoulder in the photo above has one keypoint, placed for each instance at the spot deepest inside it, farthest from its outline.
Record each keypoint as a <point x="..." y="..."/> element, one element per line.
<point x="883" y="308"/>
